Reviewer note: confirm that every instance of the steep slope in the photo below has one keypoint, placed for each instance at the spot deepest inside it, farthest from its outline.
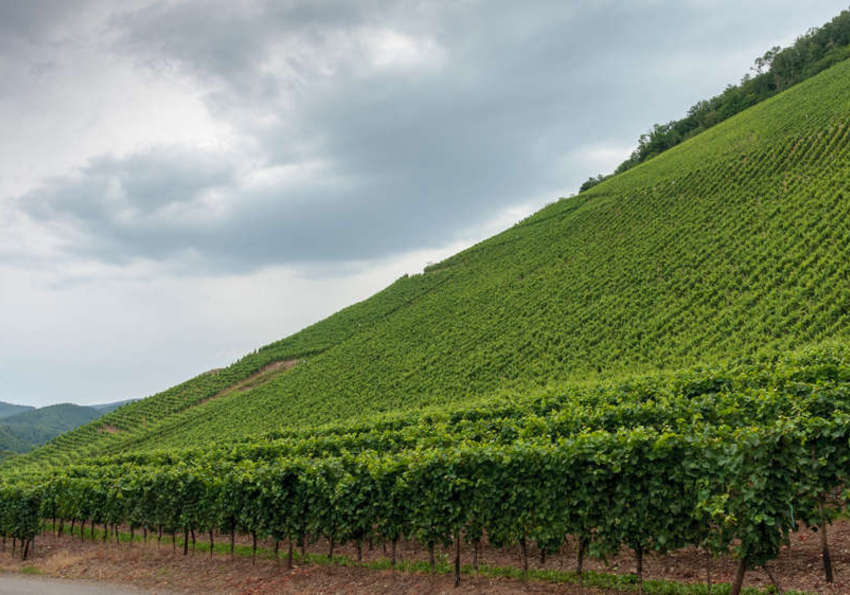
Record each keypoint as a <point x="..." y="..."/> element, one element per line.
<point x="732" y="243"/>
<point x="142" y="418"/>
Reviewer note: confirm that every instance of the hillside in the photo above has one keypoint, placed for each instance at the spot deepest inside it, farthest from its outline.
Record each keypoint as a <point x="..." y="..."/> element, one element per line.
<point x="778" y="69"/>
<point x="727" y="245"/>
<point x="7" y="409"/>
<point x="24" y="428"/>
<point x="23" y="431"/>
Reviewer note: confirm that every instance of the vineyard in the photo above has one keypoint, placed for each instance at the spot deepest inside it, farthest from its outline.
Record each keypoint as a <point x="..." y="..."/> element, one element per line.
<point x="658" y="363"/>
<point x="733" y="457"/>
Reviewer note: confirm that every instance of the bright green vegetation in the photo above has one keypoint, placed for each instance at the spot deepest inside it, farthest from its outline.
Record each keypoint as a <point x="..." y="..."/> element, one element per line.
<point x="142" y="421"/>
<point x="660" y="362"/>
<point x="722" y="458"/>
<point x="775" y="71"/>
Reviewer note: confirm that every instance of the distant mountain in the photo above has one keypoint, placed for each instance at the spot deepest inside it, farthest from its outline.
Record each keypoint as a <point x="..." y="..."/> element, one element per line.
<point x="32" y="427"/>
<point x="54" y="416"/>
<point x="23" y="427"/>
<point x="7" y="409"/>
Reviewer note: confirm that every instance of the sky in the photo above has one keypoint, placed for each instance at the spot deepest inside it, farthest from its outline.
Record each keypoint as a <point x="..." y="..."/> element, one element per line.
<point x="183" y="182"/>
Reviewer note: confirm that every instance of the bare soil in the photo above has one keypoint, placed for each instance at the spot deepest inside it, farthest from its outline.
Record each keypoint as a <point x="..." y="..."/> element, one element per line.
<point x="159" y="570"/>
<point x="263" y="375"/>
<point x="155" y="567"/>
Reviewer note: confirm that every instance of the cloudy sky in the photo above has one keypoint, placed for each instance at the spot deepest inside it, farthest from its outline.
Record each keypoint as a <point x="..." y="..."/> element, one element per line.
<point x="181" y="182"/>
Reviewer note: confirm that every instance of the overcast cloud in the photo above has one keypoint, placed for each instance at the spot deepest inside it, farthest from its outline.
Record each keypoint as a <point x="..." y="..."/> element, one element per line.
<point x="181" y="182"/>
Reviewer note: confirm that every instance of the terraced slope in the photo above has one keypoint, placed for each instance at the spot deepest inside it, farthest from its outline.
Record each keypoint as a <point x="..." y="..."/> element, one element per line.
<point x="732" y="243"/>
<point x="141" y="419"/>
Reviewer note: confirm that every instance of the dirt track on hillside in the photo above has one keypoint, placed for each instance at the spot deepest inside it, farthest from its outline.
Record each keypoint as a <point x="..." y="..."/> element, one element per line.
<point x="266" y="371"/>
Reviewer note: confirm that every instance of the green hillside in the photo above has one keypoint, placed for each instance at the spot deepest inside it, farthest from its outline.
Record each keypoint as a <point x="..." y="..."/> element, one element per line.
<point x="22" y="431"/>
<point x="23" y="428"/>
<point x="778" y="69"/>
<point x="7" y="409"/>
<point x="726" y="245"/>
<point x="660" y="362"/>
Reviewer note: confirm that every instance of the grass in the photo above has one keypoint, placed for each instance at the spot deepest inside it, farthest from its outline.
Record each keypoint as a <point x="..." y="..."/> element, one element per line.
<point x="30" y="570"/>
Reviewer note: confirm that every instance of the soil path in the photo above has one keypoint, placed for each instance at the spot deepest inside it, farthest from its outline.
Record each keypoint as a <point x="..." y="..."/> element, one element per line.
<point x="258" y="377"/>
<point x="33" y="585"/>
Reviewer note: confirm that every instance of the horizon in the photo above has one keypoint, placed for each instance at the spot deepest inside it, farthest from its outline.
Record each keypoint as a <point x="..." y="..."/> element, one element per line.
<point x="90" y="405"/>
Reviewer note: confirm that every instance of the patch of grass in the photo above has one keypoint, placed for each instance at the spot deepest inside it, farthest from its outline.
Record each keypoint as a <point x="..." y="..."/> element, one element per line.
<point x="31" y="570"/>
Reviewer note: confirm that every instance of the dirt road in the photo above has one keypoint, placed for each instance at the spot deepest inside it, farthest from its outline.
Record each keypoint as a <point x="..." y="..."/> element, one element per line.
<point x="35" y="585"/>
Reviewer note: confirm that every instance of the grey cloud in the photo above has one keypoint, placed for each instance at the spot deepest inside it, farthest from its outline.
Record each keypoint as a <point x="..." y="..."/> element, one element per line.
<point x="32" y="18"/>
<point x="411" y="156"/>
<point x="137" y="186"/>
